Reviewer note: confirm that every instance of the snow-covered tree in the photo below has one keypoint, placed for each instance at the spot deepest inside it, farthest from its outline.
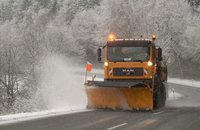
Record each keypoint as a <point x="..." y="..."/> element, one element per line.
<point x="9" y="65"/>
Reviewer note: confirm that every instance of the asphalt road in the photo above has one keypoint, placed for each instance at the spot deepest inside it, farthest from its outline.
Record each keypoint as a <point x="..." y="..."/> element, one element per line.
<point x="180" y="114"/>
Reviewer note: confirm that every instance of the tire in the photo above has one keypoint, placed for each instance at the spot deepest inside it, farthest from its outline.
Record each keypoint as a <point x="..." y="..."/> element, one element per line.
<point x="163" y="95"/>
<point x="159" y="96"/>
<point x="157" y="103"/>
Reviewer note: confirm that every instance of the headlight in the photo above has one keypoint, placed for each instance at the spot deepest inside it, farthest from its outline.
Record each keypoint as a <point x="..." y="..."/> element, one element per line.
<point x="150" y="63"/>
<point x="106" y="63"/>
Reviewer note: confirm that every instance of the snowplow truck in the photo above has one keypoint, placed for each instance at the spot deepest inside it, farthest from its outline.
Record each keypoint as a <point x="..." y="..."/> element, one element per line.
<point x="134" y="73"/>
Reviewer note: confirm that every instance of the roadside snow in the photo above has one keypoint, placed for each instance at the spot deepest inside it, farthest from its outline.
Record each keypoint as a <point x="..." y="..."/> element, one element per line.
<point x="191" y="82"/>
<point x="35" y="115"/>
<point x="173" y="95"/>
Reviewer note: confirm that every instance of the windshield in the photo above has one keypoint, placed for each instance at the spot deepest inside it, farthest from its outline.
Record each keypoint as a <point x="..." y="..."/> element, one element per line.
<point x="128" y="54"/>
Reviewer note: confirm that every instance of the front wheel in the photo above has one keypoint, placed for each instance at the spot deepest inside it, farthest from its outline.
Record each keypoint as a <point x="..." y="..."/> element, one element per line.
<point x="159" y="97"/>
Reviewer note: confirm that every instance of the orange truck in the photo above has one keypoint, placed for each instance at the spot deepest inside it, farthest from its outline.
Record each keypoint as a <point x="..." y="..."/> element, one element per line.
<point x="134" y="73"/>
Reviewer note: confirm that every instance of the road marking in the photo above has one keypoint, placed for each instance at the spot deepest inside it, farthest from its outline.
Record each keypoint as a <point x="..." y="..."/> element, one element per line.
<point x="148" y="121"/>
<point x="117" y="126"/>
<point x="97" y="122"/>
<point x="151" y="121"/>
<point x="158" y="113"/>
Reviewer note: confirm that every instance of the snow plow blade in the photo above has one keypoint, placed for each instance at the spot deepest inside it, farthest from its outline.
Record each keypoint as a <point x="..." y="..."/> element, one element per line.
<point x="119" y="95"/>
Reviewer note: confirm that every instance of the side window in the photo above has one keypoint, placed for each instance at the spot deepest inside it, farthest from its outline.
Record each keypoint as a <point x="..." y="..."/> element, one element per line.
<point x="154" y="53"/>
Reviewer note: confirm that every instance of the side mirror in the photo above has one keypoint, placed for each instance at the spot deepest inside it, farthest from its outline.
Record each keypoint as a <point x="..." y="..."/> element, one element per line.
<point x="99" y="54"/>
<point x="159" y="54"/>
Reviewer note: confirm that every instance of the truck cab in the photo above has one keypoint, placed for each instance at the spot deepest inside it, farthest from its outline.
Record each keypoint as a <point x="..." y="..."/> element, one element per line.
<point x="132" y="60"/>
<point x="133" y="75"/>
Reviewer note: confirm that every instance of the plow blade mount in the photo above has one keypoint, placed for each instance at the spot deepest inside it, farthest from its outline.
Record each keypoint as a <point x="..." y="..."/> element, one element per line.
<point x="138" y="97"/>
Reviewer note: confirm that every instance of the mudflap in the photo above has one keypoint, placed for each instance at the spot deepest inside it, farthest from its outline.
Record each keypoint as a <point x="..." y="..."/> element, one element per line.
<point x="126" y="98"/>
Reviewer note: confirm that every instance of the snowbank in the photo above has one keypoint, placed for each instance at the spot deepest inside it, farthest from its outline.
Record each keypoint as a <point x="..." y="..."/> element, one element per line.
<point x="35" y="115"/>
<point x="190" y="82"/>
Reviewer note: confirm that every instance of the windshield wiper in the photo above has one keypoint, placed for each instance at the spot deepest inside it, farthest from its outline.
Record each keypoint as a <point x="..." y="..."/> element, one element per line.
<point x="118" y="61"/>
<point x="128" y="61"/>
<point x="137" y="61"/>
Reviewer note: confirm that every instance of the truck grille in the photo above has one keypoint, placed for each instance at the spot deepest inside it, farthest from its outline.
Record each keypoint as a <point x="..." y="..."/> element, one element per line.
<point x="127" y="71"/>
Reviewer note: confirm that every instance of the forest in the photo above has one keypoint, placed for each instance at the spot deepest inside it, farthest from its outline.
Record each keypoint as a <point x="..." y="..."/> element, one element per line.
<point x="32" y="30"/>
